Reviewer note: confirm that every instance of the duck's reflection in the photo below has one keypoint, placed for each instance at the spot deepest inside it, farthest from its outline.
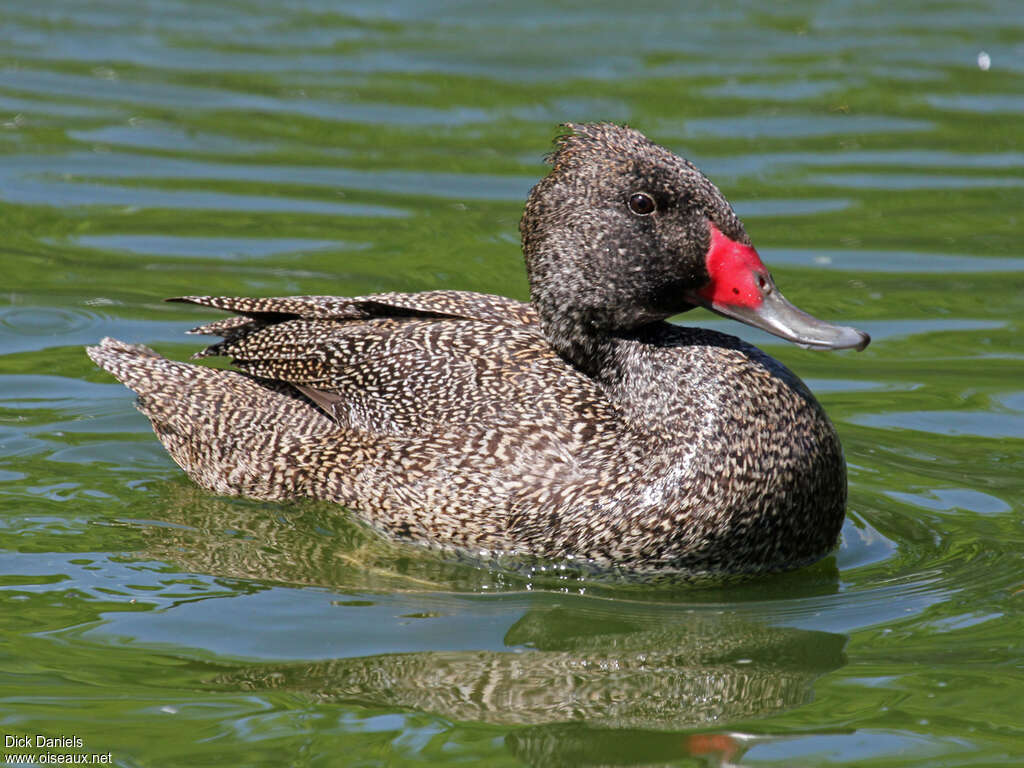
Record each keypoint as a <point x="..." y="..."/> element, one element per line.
<point x="716" y="669"/>
<point x="582" y="682"/>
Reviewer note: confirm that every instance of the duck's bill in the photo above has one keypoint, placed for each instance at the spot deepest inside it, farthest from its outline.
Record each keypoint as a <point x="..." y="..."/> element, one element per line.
<point x="777" y="316"/>
<point x="742" y="289"/>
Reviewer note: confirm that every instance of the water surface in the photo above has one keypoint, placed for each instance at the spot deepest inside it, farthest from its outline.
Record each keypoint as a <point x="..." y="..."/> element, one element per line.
<point x="175" y="147"/>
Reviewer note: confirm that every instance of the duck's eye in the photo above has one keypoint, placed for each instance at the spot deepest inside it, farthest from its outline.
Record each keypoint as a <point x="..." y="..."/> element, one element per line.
<point x="642" y="204"/>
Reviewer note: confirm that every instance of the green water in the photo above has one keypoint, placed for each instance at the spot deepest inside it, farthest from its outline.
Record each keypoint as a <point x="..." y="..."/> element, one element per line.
<point x="260" y="148"/>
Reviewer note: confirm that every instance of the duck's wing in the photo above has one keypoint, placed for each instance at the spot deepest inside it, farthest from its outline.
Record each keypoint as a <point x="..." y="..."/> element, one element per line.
<point x="251" y="314"/>
<point x="457" y="304"/>
<point x="398" y="363"/>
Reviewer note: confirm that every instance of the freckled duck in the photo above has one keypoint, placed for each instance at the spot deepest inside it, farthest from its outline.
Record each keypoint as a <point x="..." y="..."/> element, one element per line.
<point x="580" y="425"/>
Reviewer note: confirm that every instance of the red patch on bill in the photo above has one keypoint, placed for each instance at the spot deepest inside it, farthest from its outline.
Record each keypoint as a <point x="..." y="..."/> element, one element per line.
<point x="737" y="273"/>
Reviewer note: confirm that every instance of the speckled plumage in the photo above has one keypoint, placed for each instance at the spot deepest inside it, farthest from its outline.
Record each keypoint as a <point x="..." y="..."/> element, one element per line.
<point x="579" y="425"/>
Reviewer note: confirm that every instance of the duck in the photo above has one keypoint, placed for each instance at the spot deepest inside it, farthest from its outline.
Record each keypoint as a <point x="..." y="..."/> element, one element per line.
<point x="579" y="427"/>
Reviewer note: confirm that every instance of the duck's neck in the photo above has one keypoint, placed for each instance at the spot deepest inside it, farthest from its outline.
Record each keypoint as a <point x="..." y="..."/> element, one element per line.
<point x="608" y="358"/>
<point x="585" y="319"/>
<point x="577" y="341"/>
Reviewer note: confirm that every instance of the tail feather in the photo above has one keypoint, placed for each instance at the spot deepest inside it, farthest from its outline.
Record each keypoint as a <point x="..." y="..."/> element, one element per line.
<point x="232" y="433"/>
<point x="138" y="367"/>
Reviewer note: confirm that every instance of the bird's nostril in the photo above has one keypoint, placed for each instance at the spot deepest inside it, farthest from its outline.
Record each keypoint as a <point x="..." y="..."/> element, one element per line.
<point x="763" y="284"/>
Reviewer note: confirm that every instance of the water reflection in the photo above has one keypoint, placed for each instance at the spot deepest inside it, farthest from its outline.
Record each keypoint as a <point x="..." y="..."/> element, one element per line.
<point x="715" y="669"/>
<point x="572" y="678"/>
<point x="585" y="684"/>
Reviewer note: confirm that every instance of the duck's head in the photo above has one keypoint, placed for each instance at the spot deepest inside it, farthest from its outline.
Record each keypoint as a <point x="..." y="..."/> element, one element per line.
<point x="623" y="233"/>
